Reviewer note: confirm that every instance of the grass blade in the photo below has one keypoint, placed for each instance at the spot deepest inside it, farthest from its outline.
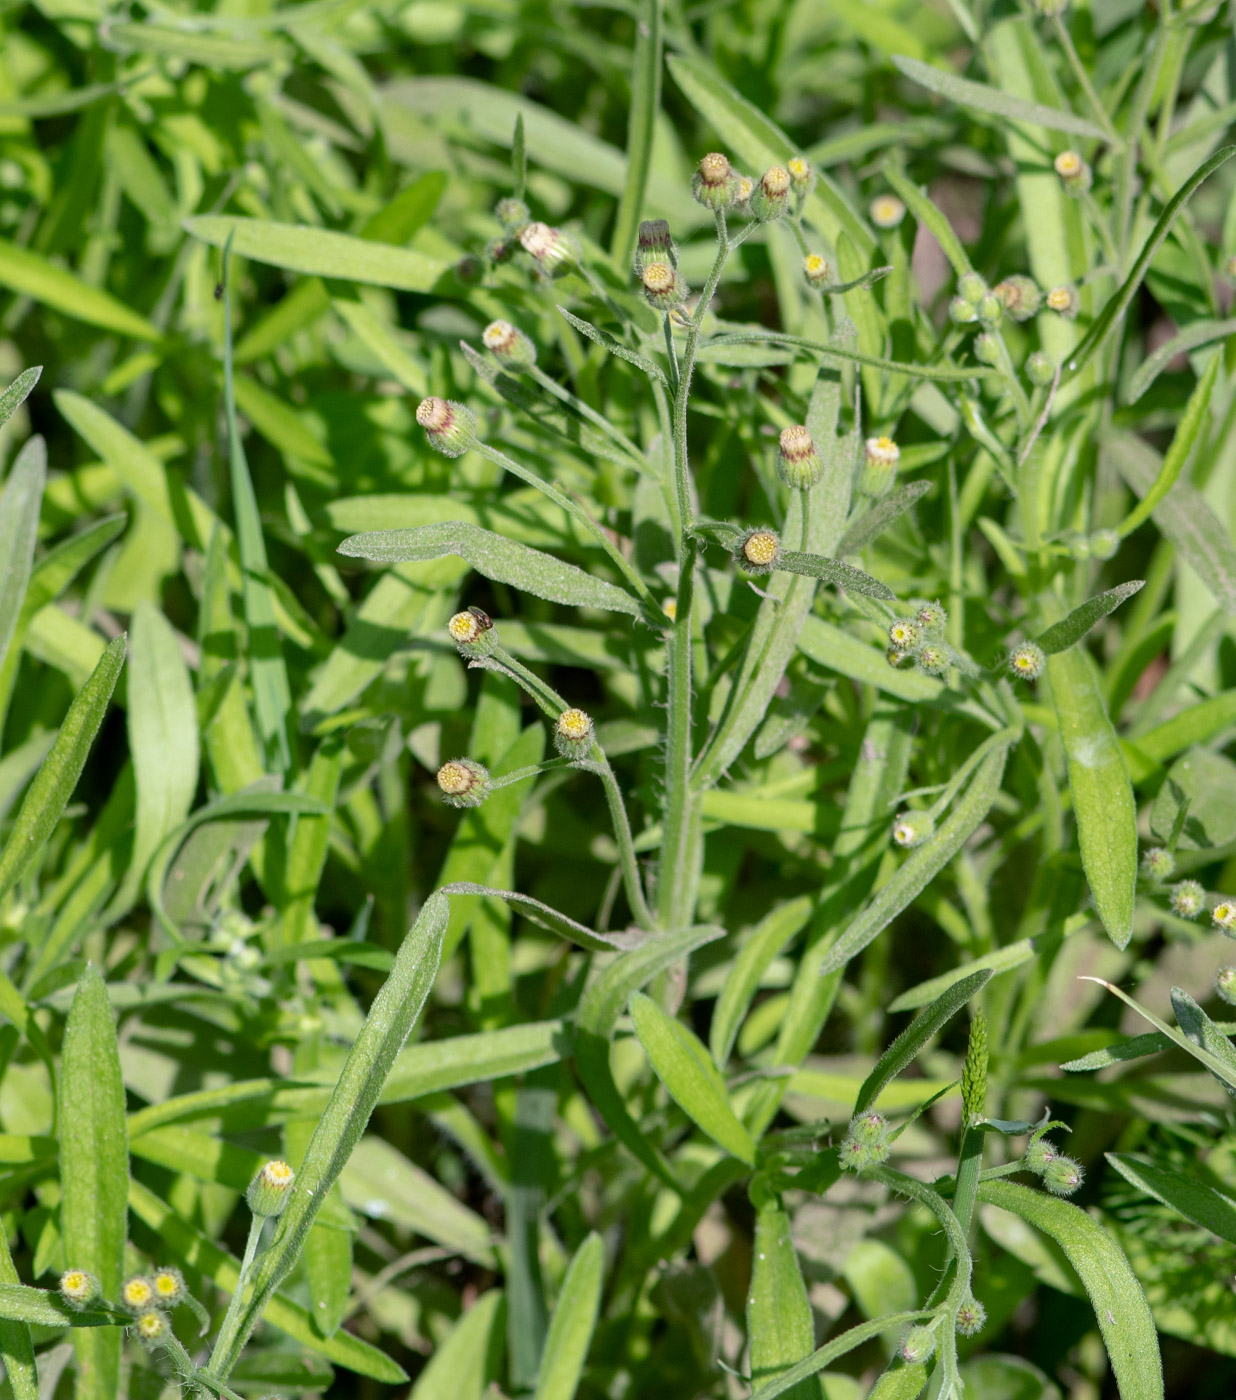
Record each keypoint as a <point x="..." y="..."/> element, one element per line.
<point x="947" y="374"/>
<point x="94" y="1171"/>
<point x="54" y="783"/>
<point x="763" y="944"/>
<point x="874" y="522"/>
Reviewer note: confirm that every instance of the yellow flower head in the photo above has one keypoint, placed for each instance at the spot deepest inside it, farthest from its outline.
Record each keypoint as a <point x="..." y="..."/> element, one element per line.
<point x="137" y="1293"/>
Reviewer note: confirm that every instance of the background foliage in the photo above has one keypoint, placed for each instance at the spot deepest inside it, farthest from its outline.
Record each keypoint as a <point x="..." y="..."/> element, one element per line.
<point x="257" y="825"/>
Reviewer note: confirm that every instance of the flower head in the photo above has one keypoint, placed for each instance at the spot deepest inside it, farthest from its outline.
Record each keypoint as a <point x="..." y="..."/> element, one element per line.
<point x="1224" y="916"/>
<point x="1073" y="171"/>
<point x="904" y="632"/>
<point x="472" y="632"/>
<point x="880" y="457"/>
<point x="771" y="197"/>
<point x="78" y="1288"/>
<point x="886" y="211"/>
<point x="509" y="346"/>
<point x="1158" y="863"/>
<point x="1066" y="301"/>
<point x="758" y="551"/>
<point x="137" y="1293"/>
<point x="913" y="828"/>
<point x="449" y="426"/>
<point x="1188" y="899"/>
<point x="663" y="288"/>
<point x="463" y="783"/>
<point x="573" y="733"/>
<point x="1225" y="985"/>
<point x="1020" y="296"/>
<point x="798" y="462"/>
<point x="152" y="1327"/>
<point x="971" y="1316"/>
<point x="269" y="1190"/>
<point x="1027" y="661"/>
<point x="654" y="244"/>
<point x="715" y="184"/>
<point x="816" y="270"/>
<point x="169" y="1287"/>
<point x="742" y="193"/>
<point x="551" y="249"/>
<point x="801" y="175"/>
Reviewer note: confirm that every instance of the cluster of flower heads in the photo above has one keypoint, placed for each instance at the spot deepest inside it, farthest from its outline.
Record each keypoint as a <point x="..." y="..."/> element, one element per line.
<point x="920" y="638"/>
<point x="1187" y="899"/>
<point x="146" y="1298"/>
<point x="550" y="251"/>
<point x="866" y="1143"/>
<point x="1019" y="297"/>
<point x="1061" y="1175"/>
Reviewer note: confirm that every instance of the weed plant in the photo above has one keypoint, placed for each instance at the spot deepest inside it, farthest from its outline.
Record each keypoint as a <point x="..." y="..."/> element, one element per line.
<point x="624" y="791"/>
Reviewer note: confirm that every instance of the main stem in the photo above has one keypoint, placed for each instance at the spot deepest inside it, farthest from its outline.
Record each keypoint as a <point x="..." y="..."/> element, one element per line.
<point x="681" y="854"/>
<point x="231" y="1319"/>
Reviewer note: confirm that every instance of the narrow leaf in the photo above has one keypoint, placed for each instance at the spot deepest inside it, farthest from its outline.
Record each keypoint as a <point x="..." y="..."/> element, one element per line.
<point x="1120" y="1306"/>
<point x="30" y="274"/>
<point x="763" y="944"/>
<point x="496" y="557"/>
<point x="780" y="1325"/>
<point x="1191" y="338"/>
<point x="686" y="1069"/>
<point x="19" y="526"/>
<point x="18" y="392"/>
<point x="905" y="1049"/>
<point x="54" y="782"/>
<point x="1133" y="1048"/>
<point x="834" y="572"/>
<point x="616" y="347"/>
<point x="834" y="1351"/>
<point x="1070" y="630"/>
<point x="949" y="374"/>
<point x="1203" y="1032"/>
<point x="573" y="1323"/>
<point x="1194" y="1200"/>
<point x="45" y="1309"/>
<point x="887" y="509"/>
<point x="551" y="919"/>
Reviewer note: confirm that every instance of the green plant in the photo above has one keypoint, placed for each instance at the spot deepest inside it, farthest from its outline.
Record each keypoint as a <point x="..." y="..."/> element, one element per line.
<point x="721" y="607"/>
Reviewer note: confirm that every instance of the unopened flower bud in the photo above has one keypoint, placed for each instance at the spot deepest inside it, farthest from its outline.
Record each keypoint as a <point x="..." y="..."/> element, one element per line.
<point x="971" y="288"/>
<point x="886" y="211"/>
<point x="78" y="1288"/>
<point x="869" y="1129"/>
<point x="1224" y="917"/>
<point x="990" y="309"/>
<point x="931" y="617"/>
<point x="152" y="1328"/>
<point x="1225" y="985"/>
<point x="880" y="458"/>
<point x="554" y="251"/>
<point x="987" y="349"/>
<point x="573" y="734"/>
<point x="918" y="1346"/>
<point x="971" y="1317"/>
<point x="771" y="197"/>
<point x="663" y="288"/>
<point x="802" y="177"/>
<point x="1073" y="171"/>
<point x="913" y="828"/>
<point x="510" y="347"/>
<point x="269" y="1190"/>
<point x="934" y="659"/>
<point x="961" y="312"/>
<point x="513" y="214"/>
<point x="469" y="270"/>
<point x="1159" y="863"/>
<point x="1039" y="369"/>
<point x="853" y="1156"/>
<point x="500" y="250"/>
<point x="742" y="193"/>
<point x="1188" y="899"/>
<point x="463" y="782"/>
<point x="896" y="658"/>
<point x="758" y="551"/>
<point x="1066" y="301"/>
<point x="1040" y="1154"/>
<point x="816" y="270"/>
<point x="714" y="183"/>
<point x="1027" y="661"/>
<point x="472" y="632"/>
<point x="169" y="1287"/>
<point x="655" y="245"/>
<point x="1104" y="544"/>
<point x="137" y="1294"/>
<point x="798" y="462"/>
<point x="1020" y="296"/>
<point x="449" y="426"/>
<point x="1062" y="1176"/>
<point x="904" y="633"/>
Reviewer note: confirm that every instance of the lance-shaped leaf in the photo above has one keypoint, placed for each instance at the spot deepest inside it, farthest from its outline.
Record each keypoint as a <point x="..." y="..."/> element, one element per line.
<point x="19" y="525"/>
<point x="18" y="392"/>
<point x="906" y="1047"/>
<point x="552" y="920"/>
<point x="500" y="559"/>
<point x="1119" y="1304"/>
<point x="45" y="1309"/>
<point x="1191" y="338"/>
<point x="573" y="1323"/>
<point x="1196" y="1201"/>
<point x="1070" y="630"/>
<point x="684" y="1066"/>
<point x="615" y="346"/>
<point x="1134" y="1047"/>
<point x="867" y="527"/>
<point x="834" y="572"/>
<point x="1188" y="430"/>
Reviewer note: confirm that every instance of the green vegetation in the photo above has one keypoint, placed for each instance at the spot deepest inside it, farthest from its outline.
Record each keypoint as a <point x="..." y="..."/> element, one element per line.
<point x="615" y="675"/>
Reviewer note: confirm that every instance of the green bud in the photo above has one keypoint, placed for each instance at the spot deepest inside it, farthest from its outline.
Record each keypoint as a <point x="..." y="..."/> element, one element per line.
<point x="1020" y="297"/>
<point x="880" y="457"/>
<point x="990" y="309"/>
<point x="853" y="1156"/>
<point x="961" y="312"/>
<point x="974" y="1072"/>
<point x="932" y="618"/>
<point x="463" y="783"/>
<point x="896" y="658"/>
<point x="1225" y="985"/>
<point x="654" y="245"/>
<point x="1074" y="173"/>
<point x="972" y="288"/>
<point x="771" y="196"/>
<point x="449" y="426"/>
<point x="553" y="251"/>
<point x="1188" y="899"/>
<point x="933" y="659"/>
<point x="869" y="1129"/>
<point x="886" y="211"/>
<point x="1104" y="544"/>
<point x="971" y="1317"/>
<point x="918" y="1346"/>
<point x="510" y="347"/>
<point x="1040" y="1154"/>
<point x="714" y="183"/>
<point x="1062" y="1176"/>
<point x="269" y="1190"/>
<point x="913" y="828"/>
<point x="1158" y="863"/>
<point x="513" y="214"/>
<point x="799" y="463"/>
<point x="1039" y="370"/>
<point x="987" y="349"/>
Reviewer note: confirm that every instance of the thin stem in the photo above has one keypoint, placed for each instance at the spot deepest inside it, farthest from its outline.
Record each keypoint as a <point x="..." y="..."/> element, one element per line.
<point x="576" y="512"/>
<point x="1083" y="79"/>
<point x="1105" y="236"/>
<point x="232" y="1317"/>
